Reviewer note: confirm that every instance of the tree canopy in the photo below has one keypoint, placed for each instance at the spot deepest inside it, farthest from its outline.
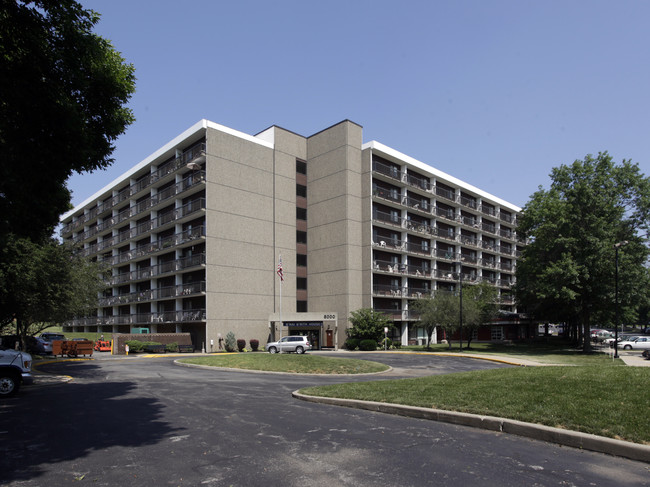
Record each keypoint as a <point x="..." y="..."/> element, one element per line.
<point x="443" y="310"/>
<point x="567" y="270"/>
<point x="45" y="283"/>
<point x="368" y="324"/>
<point x="63" y="91"/>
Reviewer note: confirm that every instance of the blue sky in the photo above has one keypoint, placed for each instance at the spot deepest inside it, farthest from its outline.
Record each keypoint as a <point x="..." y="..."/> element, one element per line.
<point x="495" y="93"/>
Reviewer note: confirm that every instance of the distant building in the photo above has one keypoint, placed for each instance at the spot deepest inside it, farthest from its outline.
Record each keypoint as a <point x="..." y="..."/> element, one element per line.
<point x="193" y="235"/>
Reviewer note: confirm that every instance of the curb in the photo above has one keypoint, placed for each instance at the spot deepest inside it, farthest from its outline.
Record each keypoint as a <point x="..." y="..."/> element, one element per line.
<point x="540" y="432"/>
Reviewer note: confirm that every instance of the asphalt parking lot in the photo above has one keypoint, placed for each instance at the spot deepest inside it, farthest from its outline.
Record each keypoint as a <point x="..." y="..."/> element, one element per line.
<point x="145" y="421"/>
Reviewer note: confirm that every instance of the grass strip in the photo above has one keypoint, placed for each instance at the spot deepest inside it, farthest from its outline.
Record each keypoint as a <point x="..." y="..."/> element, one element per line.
<point x="609" y="401"/>
<point x="292" y="363"/>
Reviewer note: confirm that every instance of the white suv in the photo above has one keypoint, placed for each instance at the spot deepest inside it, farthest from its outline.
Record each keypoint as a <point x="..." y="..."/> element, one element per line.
<point x="298" y="344"/>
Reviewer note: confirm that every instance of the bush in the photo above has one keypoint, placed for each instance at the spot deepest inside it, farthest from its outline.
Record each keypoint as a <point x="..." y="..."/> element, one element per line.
<point x="231" y="342"/>
<point x="367" y="345"/>
<point x="386" y="343"/>
<point x="351" y="343"/>
<point x="171" y="347"/>
<point x="241" y="344"/>
<point x="135" y="345"/>
<point x="254" y="344"/>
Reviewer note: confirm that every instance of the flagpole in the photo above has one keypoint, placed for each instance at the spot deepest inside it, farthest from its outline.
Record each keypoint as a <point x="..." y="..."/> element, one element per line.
<point x="280" y="273"/>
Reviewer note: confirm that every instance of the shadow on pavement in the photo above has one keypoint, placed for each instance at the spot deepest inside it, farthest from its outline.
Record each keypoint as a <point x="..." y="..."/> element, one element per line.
<point x="45" y="425"/>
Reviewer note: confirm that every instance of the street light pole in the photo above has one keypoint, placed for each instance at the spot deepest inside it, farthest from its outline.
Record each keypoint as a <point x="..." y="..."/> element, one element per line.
<point x="460" y="281"/>
<point x="616" y="247"/>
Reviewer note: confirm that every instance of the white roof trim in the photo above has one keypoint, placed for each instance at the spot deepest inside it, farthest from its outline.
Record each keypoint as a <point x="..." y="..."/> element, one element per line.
<point x="197" y="127"/>
<point x="374" y="145"/>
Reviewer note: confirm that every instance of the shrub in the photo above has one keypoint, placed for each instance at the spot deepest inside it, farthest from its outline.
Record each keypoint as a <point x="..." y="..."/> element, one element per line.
<point x="231" y="342"/>
<point x="386" y="343"/>
<point x="171" y="347"/>
<point x="135" y="345"/>
<point x="254" y="344"/>
<point x="351" y="343"/>
<point x="367" y="345"/>
<point x="241" y="344"/>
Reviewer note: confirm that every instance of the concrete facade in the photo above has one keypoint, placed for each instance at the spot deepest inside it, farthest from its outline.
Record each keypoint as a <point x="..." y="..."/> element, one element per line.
<point x="193" y="234"/>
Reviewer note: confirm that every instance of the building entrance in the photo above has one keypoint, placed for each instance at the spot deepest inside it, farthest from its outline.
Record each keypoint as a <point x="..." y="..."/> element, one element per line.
<point x="312" y="332"/>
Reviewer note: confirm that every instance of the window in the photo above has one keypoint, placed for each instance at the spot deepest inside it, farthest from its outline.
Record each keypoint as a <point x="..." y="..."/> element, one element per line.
<point x="301" y="306"/>
<point x="301" y="237"/>
<point x="301" y="283"/>
<point x="301" y="213"/>
<point x="301" y="190"/>
<point x="497" y="333"/>
<point x="301" y="167"/>
<point x="301" y="260"/>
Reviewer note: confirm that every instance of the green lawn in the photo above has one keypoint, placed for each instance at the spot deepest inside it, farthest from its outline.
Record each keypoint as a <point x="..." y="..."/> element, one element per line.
<point x="555" y="352"/>
<point x="299" y="364"/>
<point x="607" y="401"/>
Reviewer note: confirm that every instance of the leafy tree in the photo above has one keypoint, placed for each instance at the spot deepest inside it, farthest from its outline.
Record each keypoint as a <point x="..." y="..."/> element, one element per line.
<point x="41" y="284"/>
<point x="566" y="272"/>
<point x="440" y="310"/>
<point x="368" y="324"/>
<point x="479" y="307"/>
<point x="62" y="96"/>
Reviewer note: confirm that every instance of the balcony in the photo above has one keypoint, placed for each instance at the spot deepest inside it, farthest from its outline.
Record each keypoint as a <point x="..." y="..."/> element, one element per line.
<point x="145" y="205"/>
<point x="392" y="195"/>
<point x="393" y="314"/>
<point x="387" y="170"/>
<point x="445" y="254"/>
<point x="416" y="248"/>
<point x="385" y="290"/>
<point x="179" y="291"/>
<point x="167" y="243"/>
<point x="388" y="243"/>
<point x="145" y="273"/>
<point x="181" y="316"/>
<point x="391" y="219"/>
<point x="418" y="182"/>
<point x="445" y="193"/>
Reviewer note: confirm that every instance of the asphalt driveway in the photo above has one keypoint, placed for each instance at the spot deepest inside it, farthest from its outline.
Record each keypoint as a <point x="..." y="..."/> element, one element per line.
<point x="140" y="421"/>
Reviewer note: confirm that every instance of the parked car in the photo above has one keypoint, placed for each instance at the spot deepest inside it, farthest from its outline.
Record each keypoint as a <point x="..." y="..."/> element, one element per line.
<point x="298" y="344"/>
<point x="641" y="343"/>
<point x="601" y="335"/>
<point x="610" y="341"/>
<point x="41" y="346"/>
<point x="15" y="370"/>
<point x="50" y="337"/>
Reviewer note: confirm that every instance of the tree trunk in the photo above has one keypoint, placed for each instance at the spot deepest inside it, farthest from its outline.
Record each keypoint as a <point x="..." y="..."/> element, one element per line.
<point x="586" y="332"/>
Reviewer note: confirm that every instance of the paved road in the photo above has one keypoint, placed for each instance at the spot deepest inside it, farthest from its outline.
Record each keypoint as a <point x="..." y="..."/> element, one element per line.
<point x="148" y="422"/>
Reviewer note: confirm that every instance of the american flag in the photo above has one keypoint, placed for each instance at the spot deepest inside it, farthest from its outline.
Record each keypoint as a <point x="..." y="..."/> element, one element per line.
<point x="280" y="271"/>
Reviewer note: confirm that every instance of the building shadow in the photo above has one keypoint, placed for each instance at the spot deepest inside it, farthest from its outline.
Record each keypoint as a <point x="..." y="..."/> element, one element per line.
<point x="43" y="425"/>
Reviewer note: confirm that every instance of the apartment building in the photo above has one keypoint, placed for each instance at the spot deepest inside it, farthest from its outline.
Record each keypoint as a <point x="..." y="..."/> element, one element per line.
<point x="193" y="235"/>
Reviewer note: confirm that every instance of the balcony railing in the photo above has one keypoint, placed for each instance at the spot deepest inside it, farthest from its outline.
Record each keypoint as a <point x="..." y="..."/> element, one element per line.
<point x="386" y="290"/>
<point x="181" y="316"/>
<point x="181" y="290"/>
<point x="445" y="193"/>
<point x="157" y="270"/>
<point x="387" y="194"/>
<point x="166" y="243"/>
<point x="143" y="206"/>
<point x="387" y="170"/>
